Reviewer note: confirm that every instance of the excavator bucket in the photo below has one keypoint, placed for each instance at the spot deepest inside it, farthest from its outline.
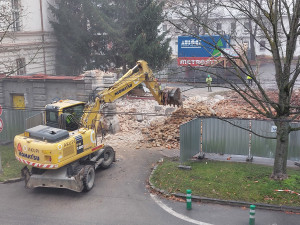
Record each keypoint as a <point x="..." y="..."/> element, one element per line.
<point x="172" y="96"/>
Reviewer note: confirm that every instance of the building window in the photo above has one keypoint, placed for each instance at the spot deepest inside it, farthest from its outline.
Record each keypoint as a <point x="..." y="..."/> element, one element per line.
<point x="21" y="66"/>
<point x="165" y="27"/>
<point x="16" y="15"/>
<point x="262" y="45"/>
<point x="233" y="27"/>
<point x="246" y="27"/>
<point x="219" y="27"/>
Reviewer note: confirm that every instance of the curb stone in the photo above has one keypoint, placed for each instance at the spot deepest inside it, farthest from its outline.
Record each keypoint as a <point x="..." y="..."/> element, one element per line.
<point x="14" y="180"/>
<point x="220" y="201"/>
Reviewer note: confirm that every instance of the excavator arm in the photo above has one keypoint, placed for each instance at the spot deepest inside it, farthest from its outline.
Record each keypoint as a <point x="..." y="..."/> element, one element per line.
<point x="135" y="76"/>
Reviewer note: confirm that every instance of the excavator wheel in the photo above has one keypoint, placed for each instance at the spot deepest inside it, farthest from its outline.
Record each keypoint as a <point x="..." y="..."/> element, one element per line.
<point x="88" y="177"/>
<point x="109" y="157"/>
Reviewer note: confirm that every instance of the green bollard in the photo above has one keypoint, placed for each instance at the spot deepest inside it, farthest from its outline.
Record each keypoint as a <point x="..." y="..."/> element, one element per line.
<point x="252" y="215"/>
<point x="188" y="199"/>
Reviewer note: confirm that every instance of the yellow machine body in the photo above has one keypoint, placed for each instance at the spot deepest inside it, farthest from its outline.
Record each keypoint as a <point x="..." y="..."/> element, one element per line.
<point x="46" y="155"/>
<point x="35" y="150"/>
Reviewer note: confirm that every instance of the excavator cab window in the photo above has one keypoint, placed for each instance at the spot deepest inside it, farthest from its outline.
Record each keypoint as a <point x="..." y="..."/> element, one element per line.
<point x="76" y="111"/>
<point x="70" y="117"/>
<point x="69" y="120"/>
<point x="52" y="118"/>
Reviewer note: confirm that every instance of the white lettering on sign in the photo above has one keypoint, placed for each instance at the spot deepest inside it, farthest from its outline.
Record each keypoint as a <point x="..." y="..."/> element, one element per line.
<point x="274" y="129"/>
<point x="192" y="43"/>
<point x="208" y="62"/>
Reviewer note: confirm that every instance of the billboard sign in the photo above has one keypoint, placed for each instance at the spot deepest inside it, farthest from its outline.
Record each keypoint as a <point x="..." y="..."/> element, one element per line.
<point x="200" y="51"/>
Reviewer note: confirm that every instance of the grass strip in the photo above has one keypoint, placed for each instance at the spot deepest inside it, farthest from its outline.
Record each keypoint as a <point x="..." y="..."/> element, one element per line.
<point x="10" y="166"/>
<point x="228" y="181"/>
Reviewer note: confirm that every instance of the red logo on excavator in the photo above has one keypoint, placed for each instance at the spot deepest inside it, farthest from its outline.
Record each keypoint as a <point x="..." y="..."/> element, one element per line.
<point x="19" y="147"/>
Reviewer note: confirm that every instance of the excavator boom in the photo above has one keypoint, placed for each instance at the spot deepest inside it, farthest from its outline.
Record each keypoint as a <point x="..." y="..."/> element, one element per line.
<point x="141" y="73"/>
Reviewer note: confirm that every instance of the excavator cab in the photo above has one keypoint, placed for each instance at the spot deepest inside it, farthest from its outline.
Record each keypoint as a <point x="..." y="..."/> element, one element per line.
<point x="64" y="114"/>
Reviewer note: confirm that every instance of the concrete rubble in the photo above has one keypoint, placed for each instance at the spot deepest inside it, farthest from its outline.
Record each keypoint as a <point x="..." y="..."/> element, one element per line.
<point x="160" y="124"/>
<point x="141" y="122"/>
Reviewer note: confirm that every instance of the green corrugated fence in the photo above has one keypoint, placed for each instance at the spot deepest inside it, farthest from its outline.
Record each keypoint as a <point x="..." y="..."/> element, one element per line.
<point x="213" y="135"/>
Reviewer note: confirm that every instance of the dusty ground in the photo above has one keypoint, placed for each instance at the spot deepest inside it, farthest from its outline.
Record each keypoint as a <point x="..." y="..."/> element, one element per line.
<point x="159" y="128"/>
<point x="145" y="124"/>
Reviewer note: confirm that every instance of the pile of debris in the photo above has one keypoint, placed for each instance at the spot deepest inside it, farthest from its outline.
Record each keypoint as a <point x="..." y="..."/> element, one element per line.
<point x="234" y="106"/>
<point x="166" y="133"/>
<point x="147" y="124"/>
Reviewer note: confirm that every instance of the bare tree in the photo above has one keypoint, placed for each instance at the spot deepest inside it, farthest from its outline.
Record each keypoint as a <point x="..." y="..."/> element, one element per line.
<point x="12" y="57"/>
<point x="277" y="22"/>
<point x="191" y="14"/>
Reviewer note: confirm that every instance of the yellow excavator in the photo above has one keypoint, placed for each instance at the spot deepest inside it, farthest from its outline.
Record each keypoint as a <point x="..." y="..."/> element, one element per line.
<point x="64" y="153"/>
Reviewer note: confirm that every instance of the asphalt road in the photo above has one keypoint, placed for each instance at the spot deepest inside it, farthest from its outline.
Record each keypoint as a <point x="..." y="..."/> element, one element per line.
<point x="120" y="197"/>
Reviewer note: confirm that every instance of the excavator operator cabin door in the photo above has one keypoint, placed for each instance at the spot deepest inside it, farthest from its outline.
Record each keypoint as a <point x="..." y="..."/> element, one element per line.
<point x="18" y="101"/>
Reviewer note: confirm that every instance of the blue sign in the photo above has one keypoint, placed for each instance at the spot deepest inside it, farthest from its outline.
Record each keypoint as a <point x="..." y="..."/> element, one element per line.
<point x="202" y="46"/>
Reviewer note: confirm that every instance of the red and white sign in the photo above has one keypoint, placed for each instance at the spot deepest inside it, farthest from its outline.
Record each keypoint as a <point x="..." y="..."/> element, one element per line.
<point x="39" y="165"/>
<point x="1" y="125"/>
<point x="1" y="110"/>
<point x="197" y="61"/>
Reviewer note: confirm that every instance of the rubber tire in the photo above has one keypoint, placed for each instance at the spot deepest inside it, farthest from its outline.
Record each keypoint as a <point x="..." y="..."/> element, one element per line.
<point x="109" y="157"/>
<point x="77" y="169"/>
<point x="88" y="178"/>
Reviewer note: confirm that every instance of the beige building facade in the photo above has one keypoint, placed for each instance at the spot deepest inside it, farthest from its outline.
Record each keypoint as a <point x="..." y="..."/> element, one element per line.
<point x="27" y="42"/>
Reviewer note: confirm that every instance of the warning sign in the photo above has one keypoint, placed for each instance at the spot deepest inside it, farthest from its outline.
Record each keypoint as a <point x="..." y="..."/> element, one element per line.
<point x="19" y="147"/>
<point x="1" y="125"/>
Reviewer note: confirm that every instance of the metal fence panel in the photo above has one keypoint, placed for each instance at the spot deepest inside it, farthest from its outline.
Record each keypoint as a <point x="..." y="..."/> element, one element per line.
<point x="35" y="120"/>
<point x="190" y="144"/>
<point x="294" y="144"/>
<point x="224" y="138"/>
<point x="13" y="123"/>
<point x="260" y="146"/>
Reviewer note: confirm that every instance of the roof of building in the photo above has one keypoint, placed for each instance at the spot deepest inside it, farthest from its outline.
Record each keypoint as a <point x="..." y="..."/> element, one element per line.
<point x="41" y="77"/>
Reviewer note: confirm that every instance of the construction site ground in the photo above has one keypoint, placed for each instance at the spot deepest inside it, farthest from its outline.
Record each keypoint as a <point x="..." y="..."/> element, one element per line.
<point x="145" y="124"/>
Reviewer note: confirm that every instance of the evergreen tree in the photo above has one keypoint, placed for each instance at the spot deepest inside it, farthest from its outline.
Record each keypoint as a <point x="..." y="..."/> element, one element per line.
<point x="73" y="36"/>
<point x="145" y="41"/>
<point x="133" y="30"/>
<point x="103" y="33"/>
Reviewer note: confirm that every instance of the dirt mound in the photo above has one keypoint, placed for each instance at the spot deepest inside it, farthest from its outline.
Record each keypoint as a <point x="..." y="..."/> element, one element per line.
<point x="166" y="133"/>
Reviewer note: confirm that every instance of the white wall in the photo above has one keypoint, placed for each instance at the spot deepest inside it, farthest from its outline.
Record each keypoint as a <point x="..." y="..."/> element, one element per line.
<point x="35" y="41"/>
